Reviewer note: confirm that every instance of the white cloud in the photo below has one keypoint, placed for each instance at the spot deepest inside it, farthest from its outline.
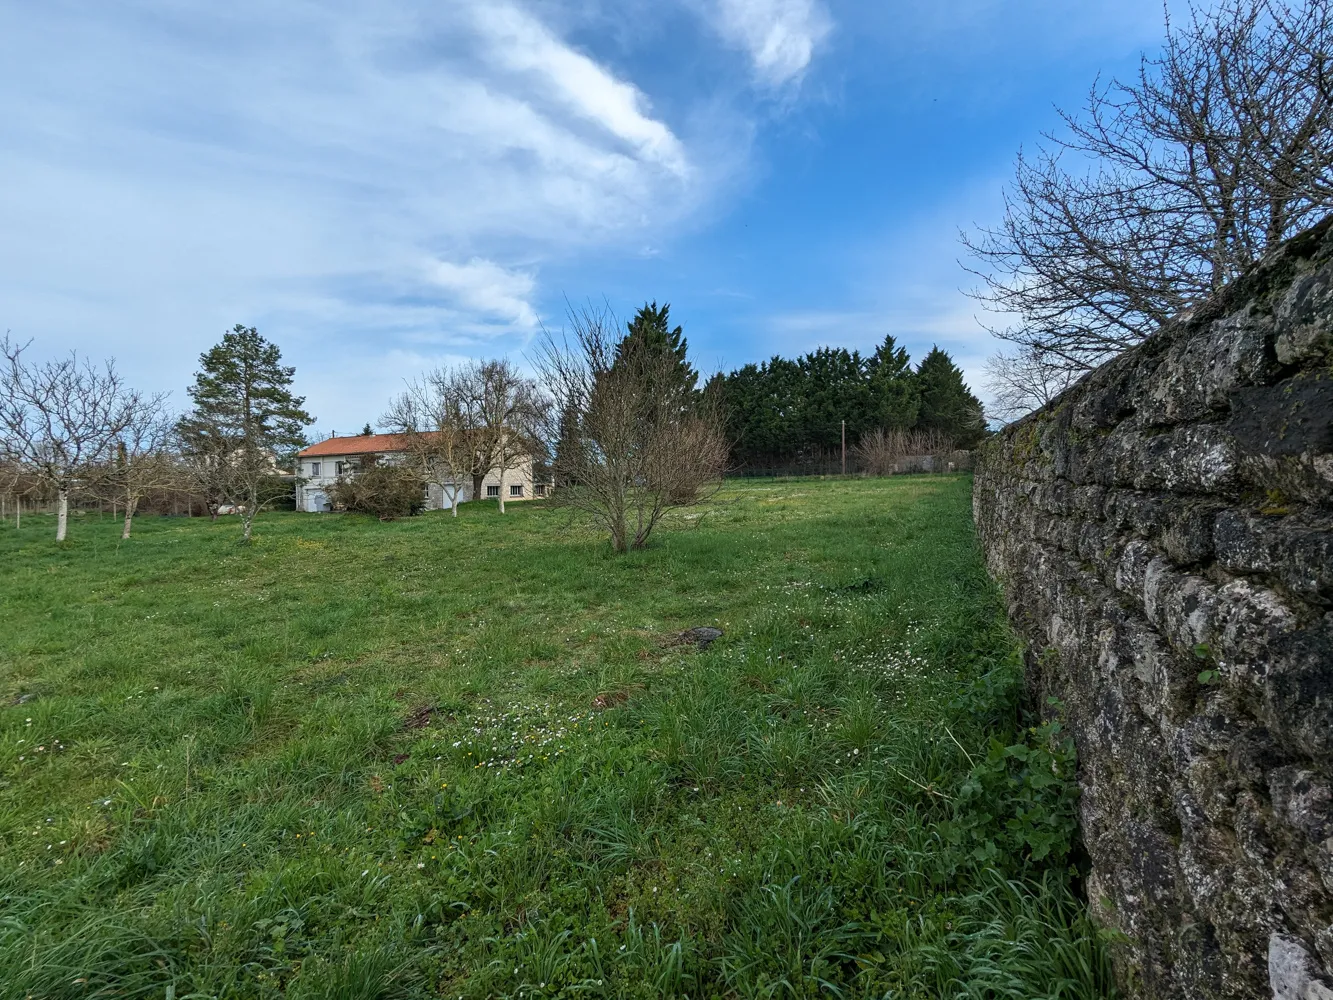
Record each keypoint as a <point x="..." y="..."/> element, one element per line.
<point x="780" y="36"/>
<point x="482" y="286"/>
<point x="518" y="42"/>
<point x="172" y="169"/>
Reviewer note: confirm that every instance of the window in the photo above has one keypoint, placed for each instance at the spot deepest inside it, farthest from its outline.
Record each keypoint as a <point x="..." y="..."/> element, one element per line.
<point x="539" y="489"/>
<point x="314" y="468"/>
<point x="338" y="467"/>
<point x="516" y="490"/>
<point x="492" y="491"/>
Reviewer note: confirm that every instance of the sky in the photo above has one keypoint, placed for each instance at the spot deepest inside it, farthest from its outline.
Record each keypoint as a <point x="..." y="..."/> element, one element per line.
<point x="386" y="186"/>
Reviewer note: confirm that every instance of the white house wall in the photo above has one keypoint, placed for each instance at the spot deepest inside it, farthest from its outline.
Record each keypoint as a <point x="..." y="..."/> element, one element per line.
<point x="311" y="494"/>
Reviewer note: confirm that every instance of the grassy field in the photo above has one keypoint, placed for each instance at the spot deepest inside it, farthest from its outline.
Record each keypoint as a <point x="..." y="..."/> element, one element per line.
<point x="469" y="758"/>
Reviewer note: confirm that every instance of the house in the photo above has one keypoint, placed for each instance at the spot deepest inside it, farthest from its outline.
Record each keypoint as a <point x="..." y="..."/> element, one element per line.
<point x="320" y="464"/>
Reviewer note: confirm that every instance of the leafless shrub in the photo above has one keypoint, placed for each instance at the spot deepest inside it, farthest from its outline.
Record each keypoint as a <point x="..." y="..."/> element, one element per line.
<point x="1167" y="186"/>
<point x="631" y="447"/>
<point x="885" y="452"/>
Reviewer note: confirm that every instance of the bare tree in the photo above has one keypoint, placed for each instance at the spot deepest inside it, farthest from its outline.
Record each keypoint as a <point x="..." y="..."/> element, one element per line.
<point x="1168" y="186"/>
<point x="60" y="418"/>
<point x="142" y="459"/>
<point x="11" y="475"/>
<point x="207" y="456"/>
<point x="1021" y="381"/>
<point x="436" y="440"/>
<point x="497" y="406"/>
<point x="513" y="410"/>
<point x="630" y="450"/>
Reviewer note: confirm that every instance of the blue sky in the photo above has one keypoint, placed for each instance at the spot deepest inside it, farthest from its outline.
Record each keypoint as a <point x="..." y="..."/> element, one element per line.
<point x="382" y="186"/>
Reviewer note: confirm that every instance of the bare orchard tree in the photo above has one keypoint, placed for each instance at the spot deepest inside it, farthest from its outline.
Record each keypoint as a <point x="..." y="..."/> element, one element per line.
<point x="207" y="463"/>
<point x="1168" y="186"/>
<point x="436" y="439"/>
<point x="496" y="406"/>
<point x="1022" y="380"/>
<point x="11" y="475"/>
<point x="142" y="459"/>
<point x="629" y="449"/>
<point x="61" y="418"/>
<point x="513" y="414"/>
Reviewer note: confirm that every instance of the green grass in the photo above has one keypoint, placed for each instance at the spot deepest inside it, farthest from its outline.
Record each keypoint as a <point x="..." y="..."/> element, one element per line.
<point x="460" y="758"/>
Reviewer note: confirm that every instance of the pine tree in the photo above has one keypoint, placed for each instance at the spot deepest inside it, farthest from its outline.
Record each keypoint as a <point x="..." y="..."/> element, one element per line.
<point x="947" y="404"/>
<point x="246" y="423"/>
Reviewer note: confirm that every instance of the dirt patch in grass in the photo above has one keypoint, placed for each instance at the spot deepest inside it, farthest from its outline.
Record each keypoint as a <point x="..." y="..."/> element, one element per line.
<point x="700" y="637"/>
<point x="419" y="718"/>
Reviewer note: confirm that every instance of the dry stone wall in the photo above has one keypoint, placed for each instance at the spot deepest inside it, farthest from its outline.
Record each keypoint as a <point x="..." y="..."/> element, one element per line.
<point x="1164" y="534"/>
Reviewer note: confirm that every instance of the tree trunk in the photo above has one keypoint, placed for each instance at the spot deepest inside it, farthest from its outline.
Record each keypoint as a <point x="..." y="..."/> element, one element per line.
<point x="501" y="495"/>
<point x="130" y="504"/>
<point x="476" y="486"/>
<point x="62" y="513"/>
<point x="453" y="501"/>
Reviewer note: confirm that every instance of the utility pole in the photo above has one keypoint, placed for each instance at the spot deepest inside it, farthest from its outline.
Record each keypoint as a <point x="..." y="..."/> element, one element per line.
<point x="844" y="447"/>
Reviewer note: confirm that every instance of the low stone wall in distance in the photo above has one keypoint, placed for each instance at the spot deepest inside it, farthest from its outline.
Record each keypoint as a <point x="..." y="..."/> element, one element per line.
<point x="1164" y="535"/>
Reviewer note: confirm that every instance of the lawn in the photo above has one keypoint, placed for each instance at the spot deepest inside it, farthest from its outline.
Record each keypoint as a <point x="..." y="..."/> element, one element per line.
<point x="472" y="758"/>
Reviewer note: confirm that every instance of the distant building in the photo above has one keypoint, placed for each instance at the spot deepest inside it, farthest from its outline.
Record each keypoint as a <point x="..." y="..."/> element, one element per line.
<point x="319" y="465"/>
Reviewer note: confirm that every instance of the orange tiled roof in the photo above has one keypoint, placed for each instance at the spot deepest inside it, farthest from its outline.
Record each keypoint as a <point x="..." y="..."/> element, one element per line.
<point x="355" y="444"/>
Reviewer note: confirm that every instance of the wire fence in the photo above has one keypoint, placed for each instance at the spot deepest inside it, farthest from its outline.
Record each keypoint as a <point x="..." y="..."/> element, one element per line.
<point x="856" y="465"/>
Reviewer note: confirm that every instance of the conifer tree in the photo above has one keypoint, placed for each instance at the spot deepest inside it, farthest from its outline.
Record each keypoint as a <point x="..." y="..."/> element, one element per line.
<point x="894" y="400"/>
<point x="947" y="405"/>
<point x="651" y="329"/>
<point x="246" y="422"/>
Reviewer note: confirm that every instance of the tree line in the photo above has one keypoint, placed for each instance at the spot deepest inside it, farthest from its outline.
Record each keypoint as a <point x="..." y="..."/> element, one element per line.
<point x="616" y="419"/>
<point x="785" y="410"/>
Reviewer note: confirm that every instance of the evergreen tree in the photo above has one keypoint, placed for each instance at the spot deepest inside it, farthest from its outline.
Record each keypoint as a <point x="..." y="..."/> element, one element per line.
<point x="651" y="330"/>
<point x="761" y="406"/>
<point x="947" y="404"/>
<point x="835" y="389"/>
<point x="894" y="400"/>
<point x="245" y="421"/>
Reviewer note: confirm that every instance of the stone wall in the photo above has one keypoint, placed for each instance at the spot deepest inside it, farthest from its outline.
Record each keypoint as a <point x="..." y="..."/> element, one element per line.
<point x="1164" y="534"/>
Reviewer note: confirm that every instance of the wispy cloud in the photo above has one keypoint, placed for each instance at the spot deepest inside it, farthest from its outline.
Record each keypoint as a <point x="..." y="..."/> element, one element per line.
<point x="484" y="287"/>
<point x="780" y="36"/>
<point x="173" y="169"/>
